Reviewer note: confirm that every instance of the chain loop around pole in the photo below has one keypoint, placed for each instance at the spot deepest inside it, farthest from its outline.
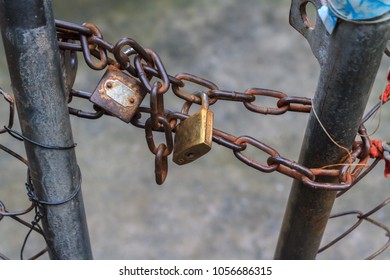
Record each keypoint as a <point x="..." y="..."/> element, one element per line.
<point x="148" y="64"/>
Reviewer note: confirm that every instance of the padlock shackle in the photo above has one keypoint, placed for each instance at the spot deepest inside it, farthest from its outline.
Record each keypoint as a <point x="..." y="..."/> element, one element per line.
<point x="205" y="102"/>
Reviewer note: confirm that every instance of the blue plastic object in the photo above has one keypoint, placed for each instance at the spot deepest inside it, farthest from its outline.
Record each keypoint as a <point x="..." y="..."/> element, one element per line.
<point x="359" y="9"/>
<point x="353" y="10"/>
<point x="328" y="18"/>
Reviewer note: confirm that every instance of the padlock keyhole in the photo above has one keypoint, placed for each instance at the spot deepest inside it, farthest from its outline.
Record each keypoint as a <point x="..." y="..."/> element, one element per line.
<point x="190" y="155"/>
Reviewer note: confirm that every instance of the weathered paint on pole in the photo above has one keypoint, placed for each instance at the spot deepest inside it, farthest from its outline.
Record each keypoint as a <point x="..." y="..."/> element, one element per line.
<point x="349" y="59"/>
<point x="31" y="48"/>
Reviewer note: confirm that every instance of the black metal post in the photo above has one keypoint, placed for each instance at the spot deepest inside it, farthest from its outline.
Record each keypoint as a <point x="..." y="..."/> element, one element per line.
<point x="349" y="59"/>
<point x="30" y="43"/>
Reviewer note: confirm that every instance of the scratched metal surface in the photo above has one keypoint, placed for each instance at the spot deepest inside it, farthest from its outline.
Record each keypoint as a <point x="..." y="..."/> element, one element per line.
<point x="216" y="207"/>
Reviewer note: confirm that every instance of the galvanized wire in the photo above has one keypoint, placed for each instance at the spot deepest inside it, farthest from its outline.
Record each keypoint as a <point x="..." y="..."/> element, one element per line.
<point x="33" y="226"/>
<point x="363" y="217"/>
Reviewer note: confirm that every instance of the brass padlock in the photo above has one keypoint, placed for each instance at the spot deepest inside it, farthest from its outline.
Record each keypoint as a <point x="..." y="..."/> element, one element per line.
<point x="194" y="135"/>
<point x="119" y="94"/>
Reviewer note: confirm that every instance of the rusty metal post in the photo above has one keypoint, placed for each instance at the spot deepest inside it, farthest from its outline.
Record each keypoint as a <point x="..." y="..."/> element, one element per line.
<point x="349" y="60"/>
<point x="31" y="48"/>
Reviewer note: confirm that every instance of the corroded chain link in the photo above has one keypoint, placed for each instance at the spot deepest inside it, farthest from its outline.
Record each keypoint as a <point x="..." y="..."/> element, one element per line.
<point x="147" y="65"/>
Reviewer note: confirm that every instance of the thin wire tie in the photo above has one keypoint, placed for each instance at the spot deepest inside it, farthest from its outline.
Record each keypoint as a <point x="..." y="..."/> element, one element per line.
<point x="21" y="137"/>
<point x="33" y="197"/>
<point x="327" y="133"/>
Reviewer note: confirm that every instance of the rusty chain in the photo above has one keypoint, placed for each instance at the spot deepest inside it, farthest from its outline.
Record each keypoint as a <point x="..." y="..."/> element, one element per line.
<point x="147" y="68"/>
<point x="147" y="65"/>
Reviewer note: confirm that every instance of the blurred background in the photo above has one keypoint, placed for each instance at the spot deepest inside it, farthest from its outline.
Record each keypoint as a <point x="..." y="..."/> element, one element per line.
<point x="216" y="207"/>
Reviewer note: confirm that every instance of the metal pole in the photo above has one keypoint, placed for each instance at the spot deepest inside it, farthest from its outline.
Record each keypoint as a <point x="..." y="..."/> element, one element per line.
<point x="349" y="59"/>
<point x="34" y="64"/>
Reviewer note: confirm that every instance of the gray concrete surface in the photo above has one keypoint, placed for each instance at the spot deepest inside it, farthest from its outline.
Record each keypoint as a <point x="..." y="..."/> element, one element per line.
<point x="216" y="207"/>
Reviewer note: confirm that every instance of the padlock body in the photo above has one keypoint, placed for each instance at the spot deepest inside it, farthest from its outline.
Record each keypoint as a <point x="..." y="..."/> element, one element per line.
<point x="118" y="94"/>
<point x="193" y="137"/>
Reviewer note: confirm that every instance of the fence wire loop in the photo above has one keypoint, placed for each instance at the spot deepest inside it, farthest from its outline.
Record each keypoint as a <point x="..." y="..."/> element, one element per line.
<point x="361" y="217"/>
<point x="21" y="137"/>
<point x="33" y="226"/>
<point x="11" y="103"/>
<point x="34" y="197"/>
